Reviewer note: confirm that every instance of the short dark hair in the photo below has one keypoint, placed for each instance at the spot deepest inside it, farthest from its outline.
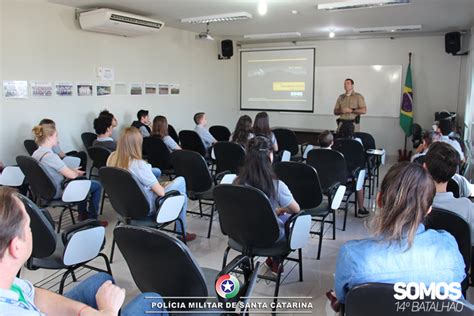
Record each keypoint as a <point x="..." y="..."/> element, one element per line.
<point x="442" y="161"/>
<point x="106" y="113"/>
<point x="445" y="126"/>
<point x="101" y="124"/>
<point x="325" y="139"/>
<point x="47" y="121"/>
<point x="11" y="218"/>
<point x="141" y="113"/>
<point x="198" y="116"/>
<point x="428" y="137"/>
<point x="346" y="130"/>
<point x="349" y="79"/>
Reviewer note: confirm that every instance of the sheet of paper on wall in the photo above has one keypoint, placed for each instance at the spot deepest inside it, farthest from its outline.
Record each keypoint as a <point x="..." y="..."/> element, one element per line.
<point x="120" y="88"/>
<point x="163" y="89"/>
<point x="41" y="89"/>
<point x="15" y="89"/>
<point x="103" y="89"/>
<point x="64" y="89"/>
<point x="136" y="89"/>
<point x="85" y="89"/>
<point x="174" y="88"/>
<point x="150" y="88"/>
<point x="106" y="74"/>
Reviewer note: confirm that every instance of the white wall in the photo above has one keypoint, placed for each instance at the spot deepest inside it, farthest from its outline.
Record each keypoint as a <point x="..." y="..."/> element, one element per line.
<point x="435" y="79"/>
<point x="41" y="41"/>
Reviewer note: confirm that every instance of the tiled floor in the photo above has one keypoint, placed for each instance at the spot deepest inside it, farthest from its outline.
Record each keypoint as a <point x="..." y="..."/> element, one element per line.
<point x="318" y="274"/>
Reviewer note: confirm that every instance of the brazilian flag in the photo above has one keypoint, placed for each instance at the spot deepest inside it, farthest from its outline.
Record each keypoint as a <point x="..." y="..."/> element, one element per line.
<point x="406" y="110"/>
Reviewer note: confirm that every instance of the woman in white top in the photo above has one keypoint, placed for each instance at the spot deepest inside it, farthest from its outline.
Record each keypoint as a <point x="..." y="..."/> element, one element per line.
<point x="160" y="130"/>
<point x="128" y="156"/>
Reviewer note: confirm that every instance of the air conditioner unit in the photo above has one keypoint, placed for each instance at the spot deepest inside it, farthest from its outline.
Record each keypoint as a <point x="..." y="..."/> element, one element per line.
<point x="118" y="23"/>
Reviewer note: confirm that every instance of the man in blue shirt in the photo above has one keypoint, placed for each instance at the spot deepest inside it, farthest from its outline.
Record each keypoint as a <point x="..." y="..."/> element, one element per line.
<point x="207" y="139"/>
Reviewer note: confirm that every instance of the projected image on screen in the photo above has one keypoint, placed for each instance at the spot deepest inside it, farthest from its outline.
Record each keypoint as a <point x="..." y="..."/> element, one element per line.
<point x="277" y="80"/>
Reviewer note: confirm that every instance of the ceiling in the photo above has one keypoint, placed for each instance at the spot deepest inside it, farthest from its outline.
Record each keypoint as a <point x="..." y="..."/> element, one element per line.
<point x="435" y="16"/>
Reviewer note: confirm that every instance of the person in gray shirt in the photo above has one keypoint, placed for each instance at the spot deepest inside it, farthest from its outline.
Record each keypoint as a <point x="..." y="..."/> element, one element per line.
<point x="160" y="130"/>
<point x="103" y="128"/>
<point x="201" y="122"/>
<point x="143" y="123"/>
<point x="441" y="161"/>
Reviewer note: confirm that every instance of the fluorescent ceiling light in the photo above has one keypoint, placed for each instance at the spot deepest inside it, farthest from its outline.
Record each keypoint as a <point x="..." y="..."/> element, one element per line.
<point x="262" y="7"/>
<point x="359" y="4"/>
<point x="388" y="29"/>
<point x="225" y="17"/>
<point x="273" y="35"/>
<point x="332" y="34"/>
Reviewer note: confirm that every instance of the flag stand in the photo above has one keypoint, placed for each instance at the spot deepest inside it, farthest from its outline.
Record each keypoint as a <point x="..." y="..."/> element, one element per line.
<point x="406" y="111"/>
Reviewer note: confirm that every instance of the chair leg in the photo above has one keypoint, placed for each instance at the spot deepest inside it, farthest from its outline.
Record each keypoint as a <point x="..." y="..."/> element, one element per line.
<point x="300" y="263"/>
<point x="200" y="207"/>
<point x="112" y="250"/>
<point x="277" y="287"/>
<point x="73" y="275"/>
<point x="321" y="233"/>
<point x="210" y="222"/>
<point x="107" y="263"/>
<point x="61" y="219"/>
<point x="72" y="216"/>
<point x="102" y="203"/>
<point x="63" y="280"/>
<point x="334" y="225"/>
<point x="346" y="210"/>
<point x="182" y="229"/>
<point x="224" y="260"/>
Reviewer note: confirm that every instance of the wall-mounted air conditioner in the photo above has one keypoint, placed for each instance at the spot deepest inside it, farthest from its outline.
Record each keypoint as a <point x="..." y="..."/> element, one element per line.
<point x="118" y="23"/>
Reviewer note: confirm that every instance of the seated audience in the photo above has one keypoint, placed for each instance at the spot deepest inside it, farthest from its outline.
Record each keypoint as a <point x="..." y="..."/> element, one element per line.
<point x="128" y="156"/>
<point x="442" y="161"/>
<point x="346" y="130"/>
<point x="96" y="295"/>
<point x="445" y="127"/>
<point x="402" y="250"/>
<point x="46" y="137"/>
<point x="160" y="130"/>
<point x="143" y="123"/>
<point x="326" y="140"/>
<point x="257" y="172"/>
<point x="428" y="138"/>
<point x="114" y="122"/>
<point x="2" y="166"/>
<point x="57" y="150"/>
<point x="201" y="121"/>
<point x="103" y="128"/>
<point x="261" y="127"/>
<point x="243" y="131"/>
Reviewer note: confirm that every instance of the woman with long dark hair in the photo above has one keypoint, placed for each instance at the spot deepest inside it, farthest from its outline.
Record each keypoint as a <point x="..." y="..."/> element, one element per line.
<point x="160" y="130"/>
<point x="243" y="131"/>
<point x="261" y="127"/>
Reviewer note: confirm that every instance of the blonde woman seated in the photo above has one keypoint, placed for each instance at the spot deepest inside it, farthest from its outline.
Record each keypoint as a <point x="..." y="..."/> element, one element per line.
<point x="128" y="156"/>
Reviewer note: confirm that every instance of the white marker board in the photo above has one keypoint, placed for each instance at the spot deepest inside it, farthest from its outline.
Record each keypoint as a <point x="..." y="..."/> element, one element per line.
<point x="381" y="86"/>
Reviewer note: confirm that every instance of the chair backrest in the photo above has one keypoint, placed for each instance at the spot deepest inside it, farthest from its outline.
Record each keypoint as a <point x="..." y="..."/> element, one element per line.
<point x="44" y="237"/>
<point x="303" y="182"/>
<point x="193" y="168"/>
<point x="12" y="176"/>
<point x="190" y="140"/>
<point x="40" y="182"/>
<point x="173" y="134"/>
<point x="124" y="192"/>
<point x="229" y="156"/>
<point x="375" y="299"/>
<point x="416" y="135"/>
<point x="30" y="146"/>
<point x="367" y="140"/>
<point x="88" y="139"/>
<point x="98" y="155"/>
<point x="353" y="152"/>
<point x="160" y="263"/>
<point x="246" y="216"/>
<point x="286" y="140"/>
<point x="158" y="154"/>
<point x="330" y="165"/>
<point x="220" y="133"/>
<point x="453" y="186"/>
<point x="456" y="226"/>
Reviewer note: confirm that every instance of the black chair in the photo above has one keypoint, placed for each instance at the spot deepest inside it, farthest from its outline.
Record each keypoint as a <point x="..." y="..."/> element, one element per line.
<point x="99" y="156"/>
<point x="30" y="146"/>
<point x="70" y="250"/>
<point x="158" y="155"/>
<point x="303" y="182"/>
<point x="162" y="264"/>
<point x="368" y="141"/>
<point x="331" y="168"/>
<point x="460" y="229"/>
<point x="131" y="204"/>
<point x="229" y="156"/>
<point x="220" y="133"/>
<point x="453" y="187"/>
<point x="199" y="182"/>
<point x="190" y="140"/>
<point x="173" y="134"/>
<point x="376" y="299"/>
<point x="416" y="135"/>
<point x="44" y="191"/>
<point x="356" y="160"/>
<point x="88" y="139"/>
<point x="286" y="140"/>
<point x="247" y="218"/>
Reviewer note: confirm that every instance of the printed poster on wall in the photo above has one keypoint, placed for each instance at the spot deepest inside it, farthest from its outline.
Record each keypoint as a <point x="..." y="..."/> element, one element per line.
<point x="106" y="74"/>
<point x="163" y="89"/>
<point x="103" y="89"/>
<point x="15" y="89"/>
<point x="84" y="89"/>
<point x="120" y="88"/>
<point x="64" y="89"/>
<point x="150" y="88"/>
<point x="136" y="89"/>
<point x="174" y="88"/>
<point x="41" y="89"/>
